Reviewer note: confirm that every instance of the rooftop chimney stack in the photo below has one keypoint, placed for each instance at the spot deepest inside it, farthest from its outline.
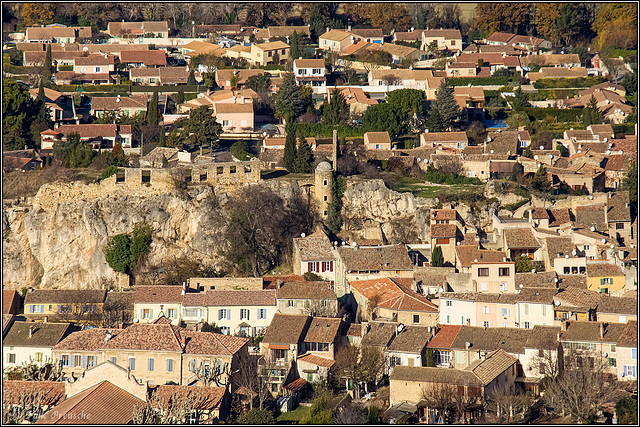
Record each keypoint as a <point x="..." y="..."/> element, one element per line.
<point x="30" y="331"/>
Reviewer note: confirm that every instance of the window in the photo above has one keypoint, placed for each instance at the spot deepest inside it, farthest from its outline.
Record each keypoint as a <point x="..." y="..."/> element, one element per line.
<point x="91" y="361"/>
<point x="567" y="270"/>
<point x="442" y="357"/>
<point x="448" y="303"/>
<point x="634" y="354"/>
<point x="462" y="320"/>
<point x="225" y="330"/>
<point x="132" y="363"/>
<point x="485" y="310"/>
<point x="150" y="363"/>
<point x="416" y="318"/>
<point x="224" y="314"/>
<point x="544" y="310"/>
<point x="317" y="71"/>
<point x="527" y="325"/>
<point x="145" y="313"/>
<point x="612" y="362"/>
<point x="171" y="313"/>
<point x="505" y="324"/>
<point x="279" y="354"/>
<point x="504" y="287"/>
<point x="485" y="324"/>
<point x="226" y="123"/>
<point x="586" y="247"/>
<point x="526" y="308"/>
<point x="613" y="348"/>
<point x="505" y="312"/>
<point x="77" y="360"/>
<point x="629" y="371"/>
<point x="483" y="287"/>
<point x="311" y="267"/>
<point x="244" y="314"/>
<point x="113" y="360"/>
<point x="523" y="144"/>
<point x="620" y="226"/>
<point x="262" y="313"/>
<point x="483" y="272"/>
<point x="326" y="265"/>
<point x="583" y="270"/>
<point x="459" y="357"/>
<point x="448" y="318"/>
<point x="11" y="358"/>
<point x="291" y="303"/>
<point x="395" y="360"/>
<point x="504" y="271"/>
<point x="324" y="42"/>
<point x="50" y="307"/>
<point x="38" y="357"/>
<point x="64" y="360"/>
<point x="98" y="69"/>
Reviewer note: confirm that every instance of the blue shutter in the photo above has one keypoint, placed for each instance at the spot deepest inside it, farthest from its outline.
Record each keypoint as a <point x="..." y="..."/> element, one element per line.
<point x="625" y="371"/>
<point x="113" y="359"/>
<point x="634" y="353"/>
<point x="169" y="365"/>
<point x="151" y="314"/>
<point x="59" y="308"/>
<point x="83" y="363"/>
<point x="633" y="371"/>
<point x="228" y="313"/>
<point x="150" y="364"/>
<point x="141" y="313"/>
<point x="248" y="312"/>
<point x="72" y="360"/>
<point x="31" y="309"/>
<point x="132" y="363"/>
<point x="220" y="314"/>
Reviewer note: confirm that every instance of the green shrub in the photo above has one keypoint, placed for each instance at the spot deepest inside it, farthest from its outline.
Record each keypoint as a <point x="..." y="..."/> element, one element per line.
<point x="437" y="177"/>
<point x="562" y="115"/>
<point x="567" y="82"/>
<point x="513" y="206"/>
<point x="627" y="128"/>
<point x="239" y="150"/>
<point x="481" y="81"/>
<point x="111" y="170"/>
<point x="65" y="67"/>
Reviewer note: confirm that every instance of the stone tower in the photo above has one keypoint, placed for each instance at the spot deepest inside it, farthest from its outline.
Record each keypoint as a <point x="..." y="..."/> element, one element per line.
<point x="323" y="187"/>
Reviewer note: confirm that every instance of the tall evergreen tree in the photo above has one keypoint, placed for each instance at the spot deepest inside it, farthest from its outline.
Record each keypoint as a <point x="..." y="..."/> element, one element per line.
<point x="290" y="149"/>
<point x="48" y="65"/>
<point x="336" y="112"/>
<point x="163" y="138"/>
<point x="521" y="100"/>
<point x="152" y="111"/>
<point x="437" y="259"/>
<point x="180" y="95"/>
<point x="191" y="80"/>
<point x="290" y="102"/>
<point x="295" y="49"/>
<point x="304" y="156"/>
<point x="446" y="104"/>
<point x="435" y="121"/>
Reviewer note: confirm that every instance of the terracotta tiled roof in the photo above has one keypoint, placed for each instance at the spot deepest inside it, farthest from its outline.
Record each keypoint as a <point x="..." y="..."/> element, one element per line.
<point x="295" y="385"/>
<point x="577" y="297"/>
<point x="100" y="103"/>
<point x="412" y="339"/>
<point x="282" y="31"/>
<point x="309" y="63"/>
<point x="87" y="340"/>
<point x="543" y="279"/>
<point x="12" y="389"/>
<point x="206" y="398"/>
<point x="305" y="290"/>
<point x="517" y="238"/>
<point x="323" y="329"/>
<point x="443" y="231"/>
<point x="559" y="247"/>
<point x="551" y="59"/>
<point x="147" y="336"/>
<point x="408" y="36"/>
<point x="271" y="281"/>
<point x="446" y="137"/>
<point x="498" y="36"/>
<point x="94" y="59"/>
<point x="468" y="254"/>
<point x="105" y="402"/>
<point x="286" y="329"/>
<point x="393" y="295"/>
<point x="94" y="130"/>
<point x="617" y="305"/>
<point x="43" y="334"/>
<point x="511" y="340"/>
<point x="8" y="297"/>
<point x="173" y="75"/>
<point x="391" y="257"/>
<point x="378" y="137"/>
<point x="66" y="296"/>
<point x="618" y="207"/>
<point x="629" y="337"/>
<point x="583" y="331"/>
<point x="402" y="74"/>
<point x="536" y="295"/>
<point x="573" y="281"/>
<point x="603" y="270"/>
<point x="335" y="35"/>
<point x="505" y="142"/>
<point x="147" y="57"/>
<point x="379" y="334"/>
<point x="539" y="213"/>
<point x="494" y="364"/>
<point x="435" y="375"/>
<point x="211" y="343"/>
<point x="544" y="338"/>
<point x="220" y="298"/>
<point x="355" y="330"/>
<point x="447" y="33"/>
<point x="121" y="28"/>
<point x="355" y="47"/>
<point x="158" y="294"/>
<point x="444" y="214"/>
<point x="558" y="217"/>
<point x="316" y="360"/>
<point x="445" y="336"/>
<point x="367" y="32"/>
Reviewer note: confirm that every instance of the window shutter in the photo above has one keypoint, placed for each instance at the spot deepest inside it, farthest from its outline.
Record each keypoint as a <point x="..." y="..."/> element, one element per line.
<point x="141" y="313"/>
<point x="330" y="265"/>
<point x="602" y="281"/>
<point x="220" y="314"/>
<point x="228" y="313"/>
<point x="248" y="311"/>
<point x="634" y="353"/>
<point x="317" y="266"/>
<point x="151" y="313"/>
<point x="31" y="309"/>
<point x="113" y="359"/>
<point x="309" y="267"/>
<point x="150" y="363"/>
<point x="83" y="363"/>
<point x="59" y="308"/>
<point x="625" y="370"/>
<point x="72" y="361"/>
<point x="42" y="309"/>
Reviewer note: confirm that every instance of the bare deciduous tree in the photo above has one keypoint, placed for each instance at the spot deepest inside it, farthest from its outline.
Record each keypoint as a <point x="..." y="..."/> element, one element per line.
<point x="390" y="80"/>
<point x="175" y="410"/>
<point x="219" y="374"/>
<point x="23" y="406"/>
<point x="507" y="403"/>
<point x="441" y="398"/>
<point x="250" y="377"/>
<point x="404" y="231"/>
<point x="450" y="164"/>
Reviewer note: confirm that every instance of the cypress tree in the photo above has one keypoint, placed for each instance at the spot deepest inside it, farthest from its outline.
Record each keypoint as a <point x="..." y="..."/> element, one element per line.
<point x="304" y="156"/>
<point x="290" y="149"/>
<point x="48" y="65"/>
<point x="295" y="49"/>
<point x="163" y="138"/>
<point x="180" y="96"/>
<point x="152" y="112"/>
<point x="436" y="257"/>
<point x="336" y="112"/>
<point x="191" y="80"/>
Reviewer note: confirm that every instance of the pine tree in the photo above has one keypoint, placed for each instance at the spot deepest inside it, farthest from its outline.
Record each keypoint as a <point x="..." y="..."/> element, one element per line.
<point x="446" y="104"/>
<point x="290" y="149"/>
<point x="437" y="260"/>
<point x="596" y="116"/>
<point x="163" y="138"/>
<point x="435" y="122"/>
<point x="304" y="156"/>
<point x="521" y="100"/>
<point x="336" y="112"/>
<point x="152" y="111"/>
<point x="540" y="181"/>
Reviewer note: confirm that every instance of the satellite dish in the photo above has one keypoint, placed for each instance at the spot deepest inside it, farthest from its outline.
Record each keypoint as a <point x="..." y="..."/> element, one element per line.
<point x="354" y="244"/>
<point x="489" y="139"/>
<point x="604" y="240"/>
<point x="612" y="246"/>
<point x="566" y="256"/>
<point x="83" y="70"/>
<point x="491" y="151"/>
<point x="573" y="252"/>
<point x="533" y="270"/>
<point x="292" y="347"/>
<point x="606" y="139"/>
<point x="467" y="344"/>
<point x="302" y="235"/>
<point x="592" y="228"/>
<point x="344" y="243"/>
<point x="521" y="285"/>
<point x="556" y="280"/>
<point x="557" y="303"/>
<point x="604" y="354"/>
<point x="458" y="243"/>
<point x="542" y="147"/>
<point x="62" y="44"/>
<point x="85" y="49"/>
<point x="621" y="152"/>
<point x="400" y="327"/>
<point x="535" y="157"/>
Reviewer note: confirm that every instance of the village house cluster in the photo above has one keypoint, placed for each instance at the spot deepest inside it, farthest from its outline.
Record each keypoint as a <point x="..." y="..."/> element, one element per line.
<point x="474" y="324"/>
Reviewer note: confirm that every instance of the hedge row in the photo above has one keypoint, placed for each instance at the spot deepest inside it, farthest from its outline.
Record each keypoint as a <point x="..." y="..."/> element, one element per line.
<point x="318" y="129"/>
<point x="624" y="128"/>
<point x="129" y="88"/>
<point x="567" y="82"/>
<point x="481" y="81"/>
<point x="563" y="115"/>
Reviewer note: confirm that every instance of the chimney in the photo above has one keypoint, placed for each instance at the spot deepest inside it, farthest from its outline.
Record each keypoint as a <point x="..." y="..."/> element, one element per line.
<point x="120" y="325"/>
<point x="602" y="327"/>
<point x="349" y="28"/>
<point x="46" y="318"/>
<point x="564" y="325"/>
<point x="30" y="331"/>
<point x="279" y="283"/>
<point x="184" y="285"/>
<point x="183" y="341"/>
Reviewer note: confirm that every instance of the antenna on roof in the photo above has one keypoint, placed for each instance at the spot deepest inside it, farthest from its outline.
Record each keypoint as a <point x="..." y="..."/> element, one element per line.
<point x="302" y="235"/>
